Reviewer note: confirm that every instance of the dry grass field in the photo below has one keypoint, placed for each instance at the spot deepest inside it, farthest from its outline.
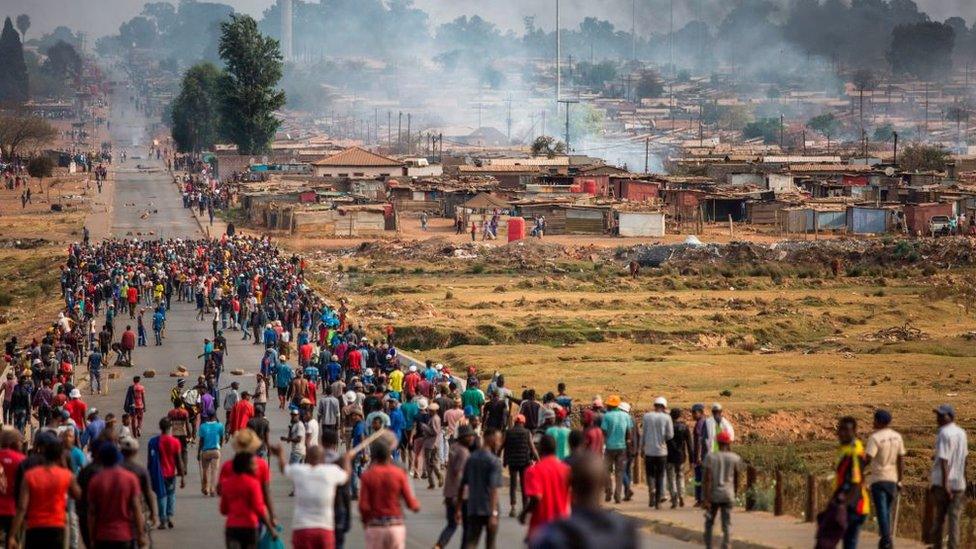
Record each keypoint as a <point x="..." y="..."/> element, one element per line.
<point x="786" y="352"/>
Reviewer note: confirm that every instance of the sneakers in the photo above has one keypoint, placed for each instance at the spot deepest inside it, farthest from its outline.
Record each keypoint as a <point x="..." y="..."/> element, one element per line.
<point x="512" y="512"/>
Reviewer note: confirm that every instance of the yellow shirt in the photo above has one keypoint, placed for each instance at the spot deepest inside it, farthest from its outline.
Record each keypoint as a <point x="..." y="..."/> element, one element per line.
<point x="396" y="381"/>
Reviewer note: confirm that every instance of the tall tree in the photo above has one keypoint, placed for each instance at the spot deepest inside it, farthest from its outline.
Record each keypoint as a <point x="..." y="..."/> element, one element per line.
<point x="63" y="61"/>
<point x="195" y="119"/>
<point x="23" y="23"/>
<point x="13" y="69"/>
<point x="20" y="135"/>
<point x="247" y="89"/>
<point x="923" y="50"/>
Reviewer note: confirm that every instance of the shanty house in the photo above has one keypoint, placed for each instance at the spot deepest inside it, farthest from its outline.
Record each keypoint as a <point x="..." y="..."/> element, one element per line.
<point x="918" y="216"/>
<point x="357" y="163"/>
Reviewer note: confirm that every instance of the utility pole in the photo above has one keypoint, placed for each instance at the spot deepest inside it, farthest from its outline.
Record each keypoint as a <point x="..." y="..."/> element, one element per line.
<point x="389" y="129"/>
<point x="376" y="125"/>
<point x="633" y="33"/>
<point x="509" y="120"/>
<point x="409" y="137"/>
<point x="782" y="135"/>
<point x="568" y="102"/>
<point x="894" y="158"/>
<point x="926" y="109"/>
<point x="543" y="122"/>
<point x="671" y="41"/>
<point x="399" y="132"/>
<point x="647" y="152"/>
<point x="559" y="52"/>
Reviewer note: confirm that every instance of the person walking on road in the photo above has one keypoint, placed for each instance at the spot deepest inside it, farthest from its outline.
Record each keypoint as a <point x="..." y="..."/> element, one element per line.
<point x="382" y="487"/>
<point x="242" y="502"/>
<point x="11" y="457"/>
<point x="165" y="464"/>
<point x="850" y="489"/>
<point x="885" y="456"/>
<point x="721" y="471"/>
<point x="211" y="434"/>
<point x="658" y="430"/>
<point x="589" y="526"/>
<point x="457" y="457"/>
<point x="114" y="504"/>
<point x="948" y="477"/>
<point x="617" y="431"/>
<point x="43" y="498"/>
<point x="479" y="488"/>
<point x="519" y="453"/>
<point x="135" y="405"/>
<point x="547" y="487"/>
<point x="315" y="483"/>
<point x="679" y="449"/>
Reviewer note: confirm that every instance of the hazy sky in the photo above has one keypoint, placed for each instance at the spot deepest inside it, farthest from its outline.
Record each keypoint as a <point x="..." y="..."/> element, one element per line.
<point x="100" y="17"/>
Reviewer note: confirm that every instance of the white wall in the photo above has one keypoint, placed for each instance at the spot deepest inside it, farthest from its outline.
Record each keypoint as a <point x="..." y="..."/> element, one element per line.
<point x="641" y="224"/>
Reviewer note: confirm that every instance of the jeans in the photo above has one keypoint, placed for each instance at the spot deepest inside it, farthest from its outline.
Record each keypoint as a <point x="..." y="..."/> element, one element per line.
<point x="95" y="380"/>
<point x="616" y="462"/>
<point x="448" y="532"/>
<point x="699" y="477"/>
<point x="167" y="500"/>
<point x="654" y="468"/>
<point x="854" y="523"/>
<point x="883" y="495"/>
<point x="158" y="336"/>
<point x="725" y="511"/>
<point x="945" y="508"/>
<point x="676" y="482"/>
<point x="516" y="475"/>
<point x="473" y="527"/>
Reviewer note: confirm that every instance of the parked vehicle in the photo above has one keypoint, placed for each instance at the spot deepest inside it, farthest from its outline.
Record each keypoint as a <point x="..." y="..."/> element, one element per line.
<point x="939" y="225"/>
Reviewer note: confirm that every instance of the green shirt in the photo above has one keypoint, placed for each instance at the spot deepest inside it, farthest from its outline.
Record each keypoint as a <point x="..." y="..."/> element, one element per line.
<point x="615" y="425"/>
<point x="473" y="397"/>
<point x="561" y="435"/>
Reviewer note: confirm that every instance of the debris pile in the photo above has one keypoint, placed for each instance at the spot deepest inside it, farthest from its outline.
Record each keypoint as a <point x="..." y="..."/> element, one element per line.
<point x="895" y="334"/>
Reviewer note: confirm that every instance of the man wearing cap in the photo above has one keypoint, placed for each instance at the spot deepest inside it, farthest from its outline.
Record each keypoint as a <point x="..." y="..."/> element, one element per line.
<point x="948" y="477"/>
<point x="658" y="430"/>
<point x="76" y="408"/>
<point x="617" y="428"/>
<point x="715" y="424"/>
<point x="457" y="457"/>
<point x="296" y="437"/>
<point x="410" y="382"/>
<point x="722" y="470"/>
<point x="885" y="453"/>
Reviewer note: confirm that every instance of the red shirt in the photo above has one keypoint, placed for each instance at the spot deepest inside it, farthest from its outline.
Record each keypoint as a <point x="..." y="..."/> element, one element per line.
<point x="354" y="360"/>
<point x="410" y="382"/>
<point x="241" y="500"/>
<point x="169" y="453"/>
<point x="133" y="295"/>
<point x="48" y="489"/>
<point x="77" y="410"/>
<point x="110" y="494"/>
<point x="240" y="414"/>
<point x="128" y="340"/>
<point x="10" y="461"/>
<point x="381" y="488"/>
<point x="261" y="471"/>
<point x="548" y="481"/>
<point x="138" y="396"/>
<point x="593" y="437"/>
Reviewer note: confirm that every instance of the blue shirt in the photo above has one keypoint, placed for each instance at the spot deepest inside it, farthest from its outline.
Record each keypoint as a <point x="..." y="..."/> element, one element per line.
<point x="333" y="369"/>
<point x="283" y="376"/>
<point x="410" y="411"/>
<point x="211" y="434"/>
<point x="92" y="430"/>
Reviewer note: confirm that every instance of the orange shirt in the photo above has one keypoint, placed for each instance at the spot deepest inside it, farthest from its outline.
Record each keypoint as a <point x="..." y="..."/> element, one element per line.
<point x="48" y="489"/>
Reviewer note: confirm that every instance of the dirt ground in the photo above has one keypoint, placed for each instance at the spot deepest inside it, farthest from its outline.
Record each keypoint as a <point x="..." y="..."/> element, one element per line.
<point x="786" y="353"/>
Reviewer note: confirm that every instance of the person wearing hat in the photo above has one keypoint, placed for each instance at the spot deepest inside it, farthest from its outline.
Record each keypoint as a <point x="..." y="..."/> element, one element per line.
<point x="885" y="452"/>
<point x="410" y="382"/>
<point x="618" y="427"/>
<point x="722" y="469"/>
<point x="457" y="457"/>
<point x="296" y="437"/>
<point x="518" y="453"/>
<point x="129" y="446"/>
<point x="76" y="408"/>
<point x="658" y="429"/>
<point x="715" y="424"/>
<point x="948" y="477"/>
<point x="429" y="430"/>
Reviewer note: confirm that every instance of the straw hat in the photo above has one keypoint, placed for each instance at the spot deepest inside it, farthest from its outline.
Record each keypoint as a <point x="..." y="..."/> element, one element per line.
<point x="246" y="440"/>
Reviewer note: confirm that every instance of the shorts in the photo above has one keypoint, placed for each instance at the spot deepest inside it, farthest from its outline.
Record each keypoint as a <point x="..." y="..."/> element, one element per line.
<point x="313" y="538"/>
<point x="282" y="392"/>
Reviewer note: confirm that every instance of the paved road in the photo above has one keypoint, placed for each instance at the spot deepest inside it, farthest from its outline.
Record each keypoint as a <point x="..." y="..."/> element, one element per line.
<point x="198" y="521"/>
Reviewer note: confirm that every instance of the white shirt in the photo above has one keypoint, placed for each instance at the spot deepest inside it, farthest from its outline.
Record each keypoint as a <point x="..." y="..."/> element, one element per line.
<point x="711" y="433"/>
<point x="315" y="489"/>
<point x="297" y="430"/>
<point x="658" y="430"/>
<point x="951" y="445"/>
<point x="311" y="433"/>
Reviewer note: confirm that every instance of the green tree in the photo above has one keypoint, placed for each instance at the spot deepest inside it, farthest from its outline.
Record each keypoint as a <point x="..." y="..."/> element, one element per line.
<point x="826" y="124"/>
<point x="63" y="61"/>
<point x="596" y="75"/>
<point x="138" y="32"/>
<point x="767" y="128"/>
<point x="649" y="85"/>
<point x="194" y="117"/>
<point x="884" y="132"/>
<point x="922" y="50"/>
<point x="918" y="157"/>
<point x="23" y="24"/>
<point x="13" y="70"/>
<point x="41" y="167"/>
<point x="248" y="97"/>
<point x="546" y="145"/>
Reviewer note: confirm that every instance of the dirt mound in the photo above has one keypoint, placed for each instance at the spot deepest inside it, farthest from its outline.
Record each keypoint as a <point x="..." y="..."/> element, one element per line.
<point x="521" y="253"/>
<point x="783" y="426"/>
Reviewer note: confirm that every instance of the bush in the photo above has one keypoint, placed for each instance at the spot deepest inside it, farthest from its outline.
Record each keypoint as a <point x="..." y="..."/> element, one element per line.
<point x="6" y="299"/>
<point x="726" y="393"/>
<point x="477" y="268"/>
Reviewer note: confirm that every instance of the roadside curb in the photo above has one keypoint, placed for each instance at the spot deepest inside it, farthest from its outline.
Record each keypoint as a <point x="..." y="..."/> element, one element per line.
<point x="685" y="533"/>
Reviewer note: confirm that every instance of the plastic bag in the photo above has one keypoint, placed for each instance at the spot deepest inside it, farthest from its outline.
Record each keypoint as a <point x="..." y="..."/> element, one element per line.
<point x="269" y="542"/>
